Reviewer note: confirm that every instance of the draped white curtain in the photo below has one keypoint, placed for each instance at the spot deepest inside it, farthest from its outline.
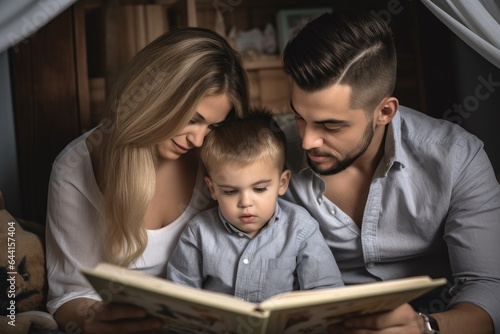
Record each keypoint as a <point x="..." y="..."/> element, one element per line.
<point x="476" y="22"/>
<point x="20" y="19"/>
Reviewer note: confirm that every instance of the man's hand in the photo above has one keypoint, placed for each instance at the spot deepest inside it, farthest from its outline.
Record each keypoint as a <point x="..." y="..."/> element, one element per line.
<point x="463" y="318"/>
<point x="403" y="319"/>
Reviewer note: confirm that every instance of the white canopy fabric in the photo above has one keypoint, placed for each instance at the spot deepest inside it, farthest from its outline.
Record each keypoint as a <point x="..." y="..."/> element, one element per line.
<point x="20" y="19"/>
<point x="476" y="22"/>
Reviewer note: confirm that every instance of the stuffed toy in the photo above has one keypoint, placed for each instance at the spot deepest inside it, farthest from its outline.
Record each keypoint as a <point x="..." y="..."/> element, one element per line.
<point x="22" y="278"/>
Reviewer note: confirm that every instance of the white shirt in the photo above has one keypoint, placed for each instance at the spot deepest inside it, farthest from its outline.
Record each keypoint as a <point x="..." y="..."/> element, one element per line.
<point x="75" y="227"/>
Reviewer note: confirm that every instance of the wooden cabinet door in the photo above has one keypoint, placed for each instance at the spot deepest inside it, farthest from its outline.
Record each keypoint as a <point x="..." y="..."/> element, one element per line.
<point x="46" y="106"/>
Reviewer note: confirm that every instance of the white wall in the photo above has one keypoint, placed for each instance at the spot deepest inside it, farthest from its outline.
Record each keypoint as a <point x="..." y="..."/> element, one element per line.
<point x="9" y="177"/>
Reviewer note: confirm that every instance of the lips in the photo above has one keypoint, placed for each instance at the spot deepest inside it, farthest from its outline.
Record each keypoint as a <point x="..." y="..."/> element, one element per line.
<point x="180" y="149"/>
<point x="317" y="158"/>
<point x="247" y="218"/>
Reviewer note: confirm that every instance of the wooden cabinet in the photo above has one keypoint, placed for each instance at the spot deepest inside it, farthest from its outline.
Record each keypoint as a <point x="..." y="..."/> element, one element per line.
<point x="269" y="85"/>
<point x="46" y="100"/>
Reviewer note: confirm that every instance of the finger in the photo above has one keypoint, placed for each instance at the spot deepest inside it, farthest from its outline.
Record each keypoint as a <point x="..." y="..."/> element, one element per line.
<point x="128" y="326"/>
<point x="113" y="312"/>
<point x="335" y="329"/>
<point x="403" y="316"/>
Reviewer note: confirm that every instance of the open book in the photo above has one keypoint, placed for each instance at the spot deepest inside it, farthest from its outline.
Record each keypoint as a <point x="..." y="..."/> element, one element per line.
<point x="189" y="310"/>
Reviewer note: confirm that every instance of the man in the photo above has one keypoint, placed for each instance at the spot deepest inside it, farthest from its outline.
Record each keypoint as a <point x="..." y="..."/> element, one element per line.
<point x="396" y="193"/>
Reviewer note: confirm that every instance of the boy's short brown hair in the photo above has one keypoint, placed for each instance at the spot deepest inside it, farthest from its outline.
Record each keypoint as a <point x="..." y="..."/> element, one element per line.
<point x="243" y="141"/>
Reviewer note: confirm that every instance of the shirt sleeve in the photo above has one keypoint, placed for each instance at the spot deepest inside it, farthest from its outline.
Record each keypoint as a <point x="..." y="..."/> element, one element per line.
<point x="472" y="231"/>
<point x="185" y="265"/>
<point x="72" y="235"/>
<point x="316" y="265"/>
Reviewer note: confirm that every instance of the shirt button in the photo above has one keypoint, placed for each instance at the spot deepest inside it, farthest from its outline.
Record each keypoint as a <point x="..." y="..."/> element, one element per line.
<point x="245" y="261"/>
<point x="370" y="265"/>
<point x="240" y="234"/>
<point x="320" y="199"/>
<point x="332" y="211"/>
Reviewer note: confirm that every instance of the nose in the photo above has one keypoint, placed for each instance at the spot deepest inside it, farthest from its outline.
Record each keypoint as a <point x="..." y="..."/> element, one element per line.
<point x="196" y="136"/>
<point x="310" y="137"/>
<point x="245" y="200"/>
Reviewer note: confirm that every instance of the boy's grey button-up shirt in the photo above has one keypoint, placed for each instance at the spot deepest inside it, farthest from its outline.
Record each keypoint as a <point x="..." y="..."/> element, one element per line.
<point x="433" y="209"/>
<point x="289" y="253"/>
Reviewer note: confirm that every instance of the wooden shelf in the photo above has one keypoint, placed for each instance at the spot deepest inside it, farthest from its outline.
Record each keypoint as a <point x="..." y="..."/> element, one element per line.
<point x="263" y="64"/>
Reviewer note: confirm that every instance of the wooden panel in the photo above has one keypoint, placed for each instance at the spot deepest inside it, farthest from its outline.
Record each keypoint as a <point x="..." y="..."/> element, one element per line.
<point x="275" y="90"/>
<point x="46" y="108"/>
<point x="269" y="87"/>
<point x="115" y="52"/>
<point x="23" y="103"/>
<point x="82" y="75"/>
<point x="254" y="88"/>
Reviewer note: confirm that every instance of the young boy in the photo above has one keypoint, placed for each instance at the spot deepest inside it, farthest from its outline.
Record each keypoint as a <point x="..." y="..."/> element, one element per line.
<point x="253" y="245"/>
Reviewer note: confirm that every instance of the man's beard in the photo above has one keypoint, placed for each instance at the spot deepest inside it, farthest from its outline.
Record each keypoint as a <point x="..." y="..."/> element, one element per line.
<point x="349" y="159"/>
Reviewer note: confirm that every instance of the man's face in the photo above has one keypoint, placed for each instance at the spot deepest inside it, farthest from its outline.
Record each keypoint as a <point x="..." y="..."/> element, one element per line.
<point x="334" y="135"/>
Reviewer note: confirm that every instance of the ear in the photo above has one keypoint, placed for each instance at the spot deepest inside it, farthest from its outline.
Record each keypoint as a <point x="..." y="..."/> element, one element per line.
<point x="284" y="181"/>
<point x="210" y="186"/>
<point x="386" y="111"/>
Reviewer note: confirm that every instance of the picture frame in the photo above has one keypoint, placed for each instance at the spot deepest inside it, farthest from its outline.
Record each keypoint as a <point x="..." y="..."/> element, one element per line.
<point x="290" y="21"/>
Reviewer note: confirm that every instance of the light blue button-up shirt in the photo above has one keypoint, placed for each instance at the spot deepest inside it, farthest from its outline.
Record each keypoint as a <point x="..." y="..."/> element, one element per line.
<point x="289" y="253"/>
<point x="433" y="209"/>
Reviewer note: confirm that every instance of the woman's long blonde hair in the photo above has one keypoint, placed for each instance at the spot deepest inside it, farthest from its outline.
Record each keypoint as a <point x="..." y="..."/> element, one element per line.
<point x="153" y="100"/>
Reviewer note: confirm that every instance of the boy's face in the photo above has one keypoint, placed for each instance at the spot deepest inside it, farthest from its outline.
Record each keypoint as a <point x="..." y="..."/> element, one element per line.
<point x="247" y="194"/>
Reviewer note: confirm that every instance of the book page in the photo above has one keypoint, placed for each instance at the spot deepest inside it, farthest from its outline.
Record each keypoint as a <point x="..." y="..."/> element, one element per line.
<point x="313" y="311"/>
<point x="182" y="309"/>
<point x="189" y="310"/>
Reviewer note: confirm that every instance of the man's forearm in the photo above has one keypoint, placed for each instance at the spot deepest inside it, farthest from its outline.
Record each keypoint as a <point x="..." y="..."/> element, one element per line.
<point x="464" y="318"/>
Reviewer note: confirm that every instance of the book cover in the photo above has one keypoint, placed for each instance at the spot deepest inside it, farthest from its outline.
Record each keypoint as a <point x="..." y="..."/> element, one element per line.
<point x="189" y="310"/>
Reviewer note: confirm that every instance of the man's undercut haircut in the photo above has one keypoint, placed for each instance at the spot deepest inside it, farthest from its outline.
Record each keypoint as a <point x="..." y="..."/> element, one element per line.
<point x="244" y="141"/>
<point x="347" y="48"/>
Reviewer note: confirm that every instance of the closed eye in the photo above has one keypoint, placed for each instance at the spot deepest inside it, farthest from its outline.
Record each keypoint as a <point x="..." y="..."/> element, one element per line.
<point x="214" y="126"/>
<point x="230" y="192"/>
<point x="260" y="189"/>
<point x="332" y="129"/>
<point x="197" y="118"/>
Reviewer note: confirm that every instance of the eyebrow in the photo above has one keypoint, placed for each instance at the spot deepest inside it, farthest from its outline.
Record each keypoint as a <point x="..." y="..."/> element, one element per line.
<point x="198" y="115"/>
<point x="253" y="184"/>
<point x="323" y="122"/>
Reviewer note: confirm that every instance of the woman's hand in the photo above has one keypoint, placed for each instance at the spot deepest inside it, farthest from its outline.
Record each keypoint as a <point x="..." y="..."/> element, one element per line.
<point x="83" y="315"/>
<point x="403" y="319"/>
<point x="115" y="318"/>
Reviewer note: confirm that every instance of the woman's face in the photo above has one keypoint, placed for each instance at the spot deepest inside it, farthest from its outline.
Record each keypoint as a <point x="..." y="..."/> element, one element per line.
<point x="210" y="111"/>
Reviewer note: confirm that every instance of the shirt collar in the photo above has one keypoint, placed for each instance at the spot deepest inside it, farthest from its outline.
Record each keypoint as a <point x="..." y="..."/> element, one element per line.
<point x="230" y="228"/>
<point x="393" y="150"/>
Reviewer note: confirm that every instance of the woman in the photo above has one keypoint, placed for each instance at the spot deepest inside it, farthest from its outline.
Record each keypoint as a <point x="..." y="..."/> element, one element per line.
<point x="123" y="192"/>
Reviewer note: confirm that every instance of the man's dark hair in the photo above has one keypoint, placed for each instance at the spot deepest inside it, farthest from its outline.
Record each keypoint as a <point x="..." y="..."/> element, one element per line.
<point x="351" y="48"/>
